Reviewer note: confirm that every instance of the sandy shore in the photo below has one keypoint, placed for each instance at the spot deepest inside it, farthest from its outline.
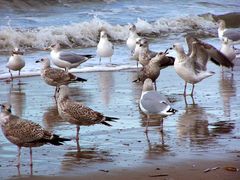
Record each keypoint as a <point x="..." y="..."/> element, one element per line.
<point x="201" y="135"/>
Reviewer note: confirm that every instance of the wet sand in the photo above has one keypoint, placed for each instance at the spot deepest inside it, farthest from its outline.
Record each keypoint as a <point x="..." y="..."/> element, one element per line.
<point x="203" y="134"/>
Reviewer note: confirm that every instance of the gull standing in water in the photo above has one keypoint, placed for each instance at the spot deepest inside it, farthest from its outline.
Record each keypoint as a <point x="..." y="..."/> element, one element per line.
<point x="152" y="69"/>
<point x="153" y="103"/>
<point x="66" y="60"/>
<point x="15" y="62"/>
<point x="228" y="50"/>
<point x="132" y="38"/>
<point x="76" y="113"/>
<point x="192" y="67"/>
<point x="232" y="34"/>
<point x="24" y="133"/>
<point x="104" y="48"/>
<point x="56" y="77"/>
<point x="136" y="50"/>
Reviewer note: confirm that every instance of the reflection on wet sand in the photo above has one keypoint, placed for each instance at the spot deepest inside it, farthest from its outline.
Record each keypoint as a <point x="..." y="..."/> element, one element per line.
<point x="227" y="90"/>
<point x="106" y="86"/>
<point x="193" y="125"/>
<point x="51" y="118"/>
<point x="84" y="158"/>
<point x="17" y="97"/>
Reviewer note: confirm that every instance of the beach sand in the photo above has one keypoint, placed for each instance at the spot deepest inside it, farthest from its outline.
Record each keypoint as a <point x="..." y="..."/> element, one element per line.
<point x="199" y="136"/>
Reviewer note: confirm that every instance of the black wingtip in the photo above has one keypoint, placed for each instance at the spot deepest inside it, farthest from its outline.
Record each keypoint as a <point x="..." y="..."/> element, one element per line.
<point x="172" y="110"/>
<point x="107" y="118"/>
<point x="81" y="79"/>
<point x="106" y="124"/>
<point x="89" y="56"/>
<point x="136" y="80"/>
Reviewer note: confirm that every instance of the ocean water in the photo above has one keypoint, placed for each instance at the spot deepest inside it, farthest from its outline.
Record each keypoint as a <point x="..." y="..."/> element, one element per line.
<point x="34" y="25"/>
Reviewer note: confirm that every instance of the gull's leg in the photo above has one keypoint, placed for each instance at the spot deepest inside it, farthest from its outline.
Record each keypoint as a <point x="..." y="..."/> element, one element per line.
<point x="111" y="60"/>
<point x="137" y="63"/>
<point x="192" y="90"/>
<point x="10" y="74"/>
<point x="155" y="85"/>
<point x="77" y="138"/>
<point x="19" y="73"/>
<point x="100" y="59"/>
<point x="30" y="148"/>
<point x="146" y="130"/>
<point x="185" y="87"/>
<point x="19" y="154"/>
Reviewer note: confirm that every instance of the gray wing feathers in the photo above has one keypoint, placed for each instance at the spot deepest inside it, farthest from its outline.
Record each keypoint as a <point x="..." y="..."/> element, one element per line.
<point x="233" y="34"/>
<point x="72" y="57"/>
<point x="154" y="102"/>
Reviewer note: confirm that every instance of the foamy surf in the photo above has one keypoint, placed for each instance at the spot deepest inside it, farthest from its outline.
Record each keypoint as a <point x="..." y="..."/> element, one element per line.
<point x="86" y="34"/>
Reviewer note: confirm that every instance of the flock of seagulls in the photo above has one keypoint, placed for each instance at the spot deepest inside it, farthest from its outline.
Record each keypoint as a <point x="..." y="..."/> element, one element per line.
<point x="191" y="67"/>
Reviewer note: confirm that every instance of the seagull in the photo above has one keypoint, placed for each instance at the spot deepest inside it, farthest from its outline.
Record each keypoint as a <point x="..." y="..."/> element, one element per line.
<point x="228" y="50"/>
<point x="136" y="50"/>
<point x="104" y="48"/>
<point x="145" y="54"/>
<point x="152" y="69"/>
<point x="66" y="60"/>
<point x="132" y="38"/>
<point x="192" y="67"/>
<point x="56" y="77"/>
<point x="154" y="103"/>
<point x="15" y="62"/>
<point x="232" y="34"/>
<point x="24" y="133"/>
<point x="76" y="113"/>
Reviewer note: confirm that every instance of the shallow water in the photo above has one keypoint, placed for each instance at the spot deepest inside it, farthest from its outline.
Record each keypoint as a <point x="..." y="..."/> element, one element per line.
<point x="208" y="129"/>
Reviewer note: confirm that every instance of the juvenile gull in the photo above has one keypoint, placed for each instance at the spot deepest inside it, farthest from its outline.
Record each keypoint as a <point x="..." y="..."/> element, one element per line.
<point x="192" y="67"/>
<point x="24" y="133"/>
<point x="232" y="34"/>
<point x="153" y="103"/>
<point x="152" y="69"/>
<point x="66" y="60"/>
<point x="132" y="38"/>
<point x="15" y="62"/>
<point x="56" y="77"/>
<point x="145" y="54"/>
<point x="105" y="47"/>
<point x="228" y="50"/>
<point x="76" y="113"/>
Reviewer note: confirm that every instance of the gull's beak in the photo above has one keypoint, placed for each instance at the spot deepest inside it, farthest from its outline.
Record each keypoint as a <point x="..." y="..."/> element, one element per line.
<point x="37" y="61"/>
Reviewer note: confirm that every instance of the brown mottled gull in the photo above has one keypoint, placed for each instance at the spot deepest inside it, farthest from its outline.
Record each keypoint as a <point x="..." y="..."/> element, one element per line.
<point x="145" y="54"/>
<point x="152" y="69"/>
<point x="76" y="113"/>
<point x="24" y="133"/>
<point x="56" y="77"/>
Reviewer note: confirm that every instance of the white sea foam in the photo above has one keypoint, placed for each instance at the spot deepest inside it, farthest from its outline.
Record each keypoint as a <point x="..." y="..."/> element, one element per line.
<point x="84" y="69"/>
<point x="86" y="34"/>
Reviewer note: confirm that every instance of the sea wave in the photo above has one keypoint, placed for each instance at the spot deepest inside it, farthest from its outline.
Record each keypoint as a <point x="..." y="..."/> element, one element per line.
<point x="86" y="34"/>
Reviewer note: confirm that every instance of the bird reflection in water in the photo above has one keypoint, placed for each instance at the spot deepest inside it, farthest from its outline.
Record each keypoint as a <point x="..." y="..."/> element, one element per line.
<point x="17" y="97"/>
<point x="106" y="86"/>
<point x="84" y="158"/>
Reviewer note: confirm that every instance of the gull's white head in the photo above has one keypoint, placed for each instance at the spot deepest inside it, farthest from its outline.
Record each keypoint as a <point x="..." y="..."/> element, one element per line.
<point x="103" y="34"/>
<point x="143" y="43"/>
<point x="221" y="24"/>
<point x="226" y="41"/>
<point x="147" y="85"/>
<point x="54" y="47"/>
<point x="63" y="92"/>
<point x="132" y="28"/>
<point x="178" y="47"/>
<point x="45" y="62"/>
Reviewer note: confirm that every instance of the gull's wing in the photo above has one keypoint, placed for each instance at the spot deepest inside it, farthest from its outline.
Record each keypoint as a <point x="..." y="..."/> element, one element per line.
<point x="154" y="102"/>
<point x="73" y="57"/>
